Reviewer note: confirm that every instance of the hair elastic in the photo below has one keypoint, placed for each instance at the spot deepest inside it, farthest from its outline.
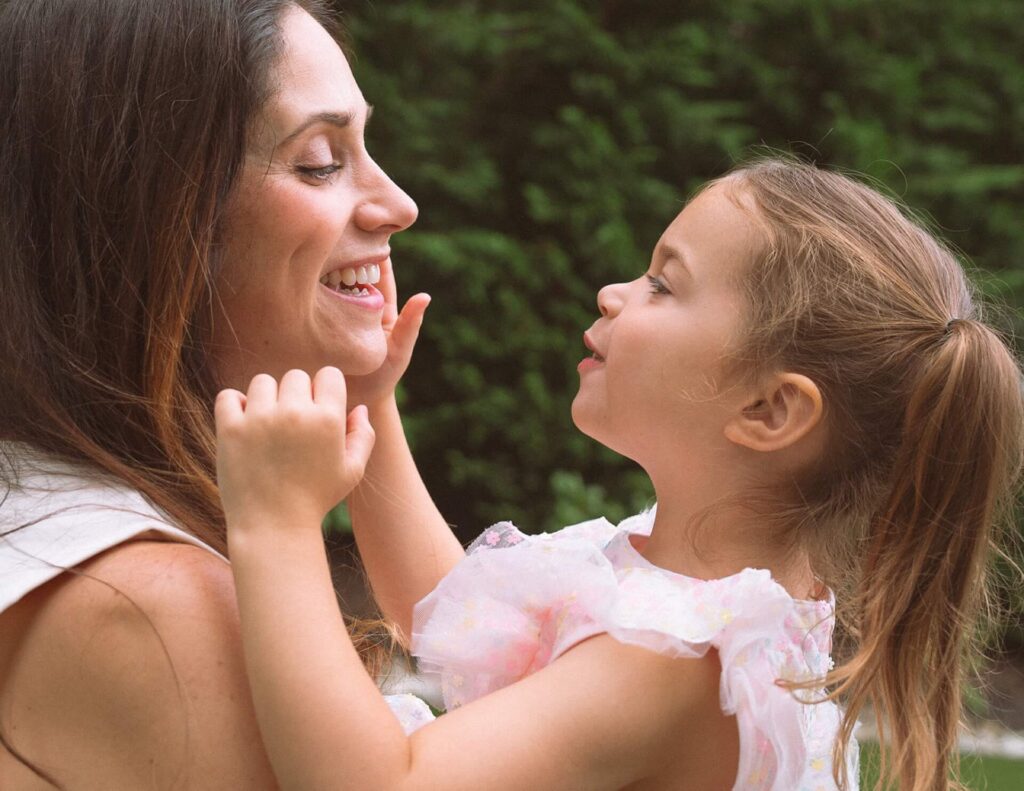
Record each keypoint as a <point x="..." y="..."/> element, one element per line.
<point x="949" y="325"/>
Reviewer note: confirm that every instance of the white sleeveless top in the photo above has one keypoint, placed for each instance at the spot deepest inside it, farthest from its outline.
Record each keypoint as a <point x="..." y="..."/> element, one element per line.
<point x="57" y="515"/>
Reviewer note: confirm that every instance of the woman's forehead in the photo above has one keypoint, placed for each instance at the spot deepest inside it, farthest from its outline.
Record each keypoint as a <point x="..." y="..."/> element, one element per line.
<point x="311" y="78"/>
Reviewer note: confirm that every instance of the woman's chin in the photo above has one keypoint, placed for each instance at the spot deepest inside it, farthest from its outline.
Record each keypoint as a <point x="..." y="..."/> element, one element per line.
<point x="367" y="359"/>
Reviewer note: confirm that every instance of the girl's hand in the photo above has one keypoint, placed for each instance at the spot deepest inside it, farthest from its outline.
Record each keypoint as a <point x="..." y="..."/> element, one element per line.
<point x="401" y="329"/>
<point x="288" y="453"/>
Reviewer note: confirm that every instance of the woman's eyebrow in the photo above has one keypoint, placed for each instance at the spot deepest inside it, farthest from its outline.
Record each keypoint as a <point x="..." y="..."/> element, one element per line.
<point x="336" y="119"/>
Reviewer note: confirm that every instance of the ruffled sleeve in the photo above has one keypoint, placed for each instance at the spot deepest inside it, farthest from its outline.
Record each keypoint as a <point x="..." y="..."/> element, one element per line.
<point x="794" y="731"/>
<point x="510" y="607"/>
<point x="762" y="635"/>
<point x="517" y="602"/>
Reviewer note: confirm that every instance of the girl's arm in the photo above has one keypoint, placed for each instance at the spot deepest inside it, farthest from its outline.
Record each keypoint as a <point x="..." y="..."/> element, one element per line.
<point x="602" y="716"/>
<point x="404" y="543"/>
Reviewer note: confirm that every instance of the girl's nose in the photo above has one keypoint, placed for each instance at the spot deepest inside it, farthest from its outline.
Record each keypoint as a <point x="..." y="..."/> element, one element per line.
<point x="385" y="207"/>
<point x="610" y="298"/>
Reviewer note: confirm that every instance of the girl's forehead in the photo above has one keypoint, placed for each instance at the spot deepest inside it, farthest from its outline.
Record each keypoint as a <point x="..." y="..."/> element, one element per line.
<point x="716" y="231"/>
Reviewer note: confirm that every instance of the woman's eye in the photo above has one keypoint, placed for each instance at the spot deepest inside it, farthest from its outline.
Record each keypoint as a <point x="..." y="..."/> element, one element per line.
<point x="656" y="284"/>
<point x="321" y="174"/>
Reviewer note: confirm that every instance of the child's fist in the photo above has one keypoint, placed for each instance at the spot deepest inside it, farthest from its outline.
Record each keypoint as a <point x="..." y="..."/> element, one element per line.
<point x="289" y="451"/>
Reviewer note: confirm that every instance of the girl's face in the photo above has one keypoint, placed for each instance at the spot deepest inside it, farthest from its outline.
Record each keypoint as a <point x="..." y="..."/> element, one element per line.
<point x="310" y="215"/>
<point x="654" y="390"/>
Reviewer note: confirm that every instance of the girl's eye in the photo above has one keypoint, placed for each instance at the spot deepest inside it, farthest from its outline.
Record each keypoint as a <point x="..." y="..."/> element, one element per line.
<point x="319" y="175"/>
<point x="657" y="286"/>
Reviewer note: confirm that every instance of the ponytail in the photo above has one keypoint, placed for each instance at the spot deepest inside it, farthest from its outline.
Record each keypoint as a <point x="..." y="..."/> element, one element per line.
<point x="922" y="579"/>
<point x="924" y="431"/>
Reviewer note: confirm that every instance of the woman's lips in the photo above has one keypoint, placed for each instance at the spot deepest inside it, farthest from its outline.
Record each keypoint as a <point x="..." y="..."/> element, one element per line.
<point x="373" y="301"/>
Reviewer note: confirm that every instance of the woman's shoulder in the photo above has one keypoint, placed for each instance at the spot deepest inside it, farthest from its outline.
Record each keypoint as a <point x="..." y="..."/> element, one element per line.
<point x="151" y="577"/>
<point x="133" y="666"/>
<point x="56" y="515"/>
<point x="124" y="597"/>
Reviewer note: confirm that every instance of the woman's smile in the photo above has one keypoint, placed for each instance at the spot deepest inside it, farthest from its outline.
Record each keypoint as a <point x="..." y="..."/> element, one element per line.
<point x="356" y="284"/>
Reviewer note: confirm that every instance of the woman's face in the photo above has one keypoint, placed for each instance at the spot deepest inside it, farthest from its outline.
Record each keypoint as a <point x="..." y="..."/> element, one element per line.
<point x="307" y="226"/>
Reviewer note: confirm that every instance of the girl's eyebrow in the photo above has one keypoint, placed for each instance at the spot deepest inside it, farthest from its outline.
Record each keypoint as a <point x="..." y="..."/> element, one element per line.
<point x="669" y="254"/>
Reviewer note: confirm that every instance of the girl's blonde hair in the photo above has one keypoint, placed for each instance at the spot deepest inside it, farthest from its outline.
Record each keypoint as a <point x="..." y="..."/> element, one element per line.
<point x="924" y="415"/>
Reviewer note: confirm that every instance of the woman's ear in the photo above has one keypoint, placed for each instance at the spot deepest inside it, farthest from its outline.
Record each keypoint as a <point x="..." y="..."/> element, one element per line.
<point x="779" y="414"/>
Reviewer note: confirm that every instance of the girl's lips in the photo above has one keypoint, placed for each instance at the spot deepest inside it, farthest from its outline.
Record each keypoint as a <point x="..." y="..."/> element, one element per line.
<point x="590" y="363"/>
<point x="374" y="300"/>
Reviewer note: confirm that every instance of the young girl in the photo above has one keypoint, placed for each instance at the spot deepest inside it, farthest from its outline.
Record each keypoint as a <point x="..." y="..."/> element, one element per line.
<point x="803" y="374"/>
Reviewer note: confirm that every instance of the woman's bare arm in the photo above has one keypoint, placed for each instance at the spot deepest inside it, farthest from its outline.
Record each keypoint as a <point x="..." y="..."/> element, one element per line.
<point x="133" y="677"/>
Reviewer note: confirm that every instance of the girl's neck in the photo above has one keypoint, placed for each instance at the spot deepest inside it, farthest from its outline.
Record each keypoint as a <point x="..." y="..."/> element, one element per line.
<point x="711" y="542"/>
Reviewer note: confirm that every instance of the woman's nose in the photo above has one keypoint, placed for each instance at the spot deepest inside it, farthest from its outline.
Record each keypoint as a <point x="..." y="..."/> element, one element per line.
<point x="610" y="298"/>
<point x="385" y="205"/>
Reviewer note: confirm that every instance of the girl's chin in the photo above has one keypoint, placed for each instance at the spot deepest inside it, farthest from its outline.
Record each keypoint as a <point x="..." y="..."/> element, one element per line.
<point x="598" y="428"/>
<point x="584" y="421"/>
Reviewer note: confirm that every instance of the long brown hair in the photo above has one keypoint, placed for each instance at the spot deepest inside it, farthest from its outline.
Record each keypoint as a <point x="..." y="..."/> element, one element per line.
<point x="124" y="125"/>
<point x="925" y="417"/>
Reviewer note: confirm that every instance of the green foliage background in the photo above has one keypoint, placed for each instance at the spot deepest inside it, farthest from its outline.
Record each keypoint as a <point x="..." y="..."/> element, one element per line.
<point x="549" y="143"/>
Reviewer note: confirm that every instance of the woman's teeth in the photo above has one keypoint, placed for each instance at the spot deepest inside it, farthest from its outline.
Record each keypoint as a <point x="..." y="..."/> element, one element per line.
<point x="348" y="281"/>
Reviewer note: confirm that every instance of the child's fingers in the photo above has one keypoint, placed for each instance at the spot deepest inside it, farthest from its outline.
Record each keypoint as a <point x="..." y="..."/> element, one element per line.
<point x="359" y="440"/>
<point x="295" y="388"/>
<point x="262" y="394"/>
<point x="229" y="407"/>
<point x="329" y="387"/>
<point x="386" y="286"/>
<point x="407" y="327"/>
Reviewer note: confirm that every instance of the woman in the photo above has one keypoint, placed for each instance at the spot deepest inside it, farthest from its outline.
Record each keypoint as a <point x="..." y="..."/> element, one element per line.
<point x="186" y="199"/>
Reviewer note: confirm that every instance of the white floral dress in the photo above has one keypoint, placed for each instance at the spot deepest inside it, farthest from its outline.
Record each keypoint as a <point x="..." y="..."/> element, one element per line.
<point x="517" y="602"/>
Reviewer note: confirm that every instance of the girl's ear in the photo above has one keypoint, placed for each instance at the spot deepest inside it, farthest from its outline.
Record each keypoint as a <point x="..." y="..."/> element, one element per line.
<point x="779" y="414"/>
